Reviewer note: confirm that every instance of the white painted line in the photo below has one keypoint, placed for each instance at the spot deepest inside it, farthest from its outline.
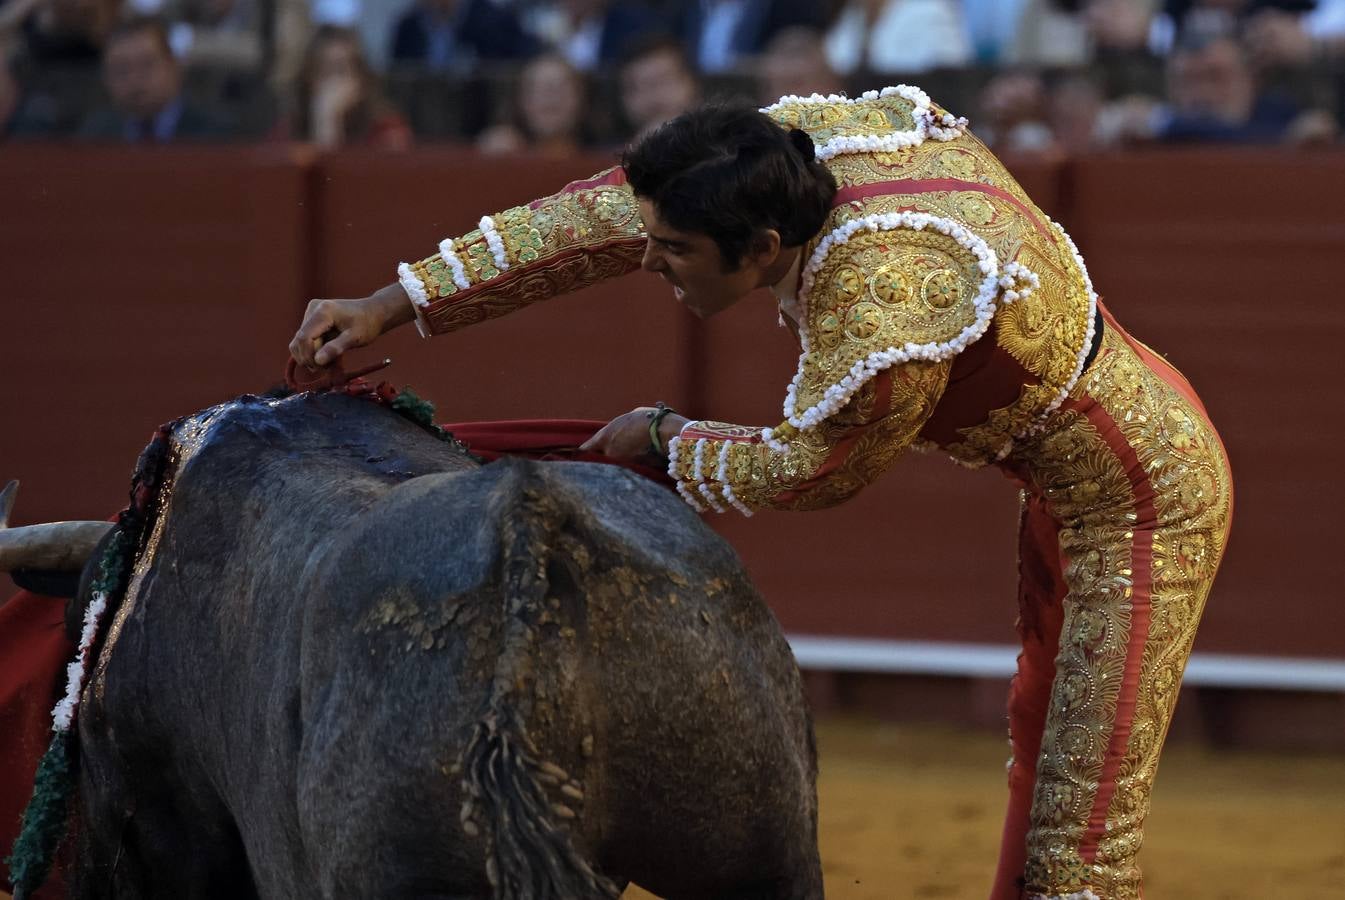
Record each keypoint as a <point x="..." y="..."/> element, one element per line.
<point x="840" y="654"/>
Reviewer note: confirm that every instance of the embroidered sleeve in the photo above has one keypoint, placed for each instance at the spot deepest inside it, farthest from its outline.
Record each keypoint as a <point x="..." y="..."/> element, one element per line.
<point x="589" y="231"/>
<point x="717" y="465"/>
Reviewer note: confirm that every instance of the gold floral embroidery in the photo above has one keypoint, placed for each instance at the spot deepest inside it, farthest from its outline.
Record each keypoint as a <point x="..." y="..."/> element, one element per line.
<point x="1091" y="493"/>
<point x="824" y="121"/>
<point x="559" y="244"/>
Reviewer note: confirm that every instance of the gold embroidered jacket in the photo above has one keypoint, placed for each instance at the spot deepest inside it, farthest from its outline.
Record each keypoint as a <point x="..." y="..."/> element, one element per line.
<point x="929" y="242"/>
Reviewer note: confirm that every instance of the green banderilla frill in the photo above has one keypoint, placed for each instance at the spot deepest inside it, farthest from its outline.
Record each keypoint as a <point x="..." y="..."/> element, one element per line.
<point x="44" y="819"/>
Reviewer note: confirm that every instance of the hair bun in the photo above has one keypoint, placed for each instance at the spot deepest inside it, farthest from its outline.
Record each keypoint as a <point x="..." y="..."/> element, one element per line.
<point x="803" y="143"/>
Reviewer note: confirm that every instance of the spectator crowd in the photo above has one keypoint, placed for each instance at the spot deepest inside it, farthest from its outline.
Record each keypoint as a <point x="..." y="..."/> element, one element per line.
<point x="559" y="76"/>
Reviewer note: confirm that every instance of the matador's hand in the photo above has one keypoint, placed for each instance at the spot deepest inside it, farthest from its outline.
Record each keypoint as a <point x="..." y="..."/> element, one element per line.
<point x="331" y="327"/>
<point x="627" y="436"/>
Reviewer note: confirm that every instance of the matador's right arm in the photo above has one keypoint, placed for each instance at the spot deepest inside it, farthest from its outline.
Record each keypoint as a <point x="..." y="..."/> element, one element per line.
<point x="588" y="231"/>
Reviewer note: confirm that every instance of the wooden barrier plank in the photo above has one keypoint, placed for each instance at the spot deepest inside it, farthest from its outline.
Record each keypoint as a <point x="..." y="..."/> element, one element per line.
<point x="139" y="284"/>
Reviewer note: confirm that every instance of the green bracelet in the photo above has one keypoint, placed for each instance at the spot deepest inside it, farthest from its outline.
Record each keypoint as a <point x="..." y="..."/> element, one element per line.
<point x="656" y="416"/>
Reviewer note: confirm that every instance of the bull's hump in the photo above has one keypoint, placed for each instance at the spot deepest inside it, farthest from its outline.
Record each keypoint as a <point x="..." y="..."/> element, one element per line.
<point x="329" y="430"/>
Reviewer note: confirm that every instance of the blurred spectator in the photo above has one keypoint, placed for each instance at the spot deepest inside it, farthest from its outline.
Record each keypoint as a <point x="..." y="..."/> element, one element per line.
<point x="217" y="33"/>
<point x="1120" y="27"/>
<point x="1046" y="32"/>
<point x="1206" y="19"/>
<point x="337" y="100"/>
<point x="1074" y="109"/>
<point x="796" y="63"/>
<point x="454" y="35"/>
<point x="593" y="34"/>
<point x="721" y="33"/>
<point x="548" y="111"/>
<point x="898" y="36"/>
<point x="1280" y="39"/>
<point x="144" y="82"/>
<point x="11" y="96"/>
<point x="58" y="31"/>
<point x="1014" y="113"/>
<point x="656" y="83"/>
<point x="1213" y="96"/>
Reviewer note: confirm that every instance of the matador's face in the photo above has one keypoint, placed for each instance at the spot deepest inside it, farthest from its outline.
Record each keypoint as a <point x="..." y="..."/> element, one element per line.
<point x="692" y="263"/>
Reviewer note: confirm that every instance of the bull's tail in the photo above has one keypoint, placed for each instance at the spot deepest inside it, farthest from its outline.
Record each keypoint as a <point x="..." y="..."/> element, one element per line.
<point x="530" y="855"/>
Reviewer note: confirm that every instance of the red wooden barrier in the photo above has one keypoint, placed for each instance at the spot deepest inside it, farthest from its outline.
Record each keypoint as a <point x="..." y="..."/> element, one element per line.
<point x="142" y="284"/>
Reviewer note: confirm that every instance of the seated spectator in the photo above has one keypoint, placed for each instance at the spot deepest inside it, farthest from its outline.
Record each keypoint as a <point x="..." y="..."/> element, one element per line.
<point x="1121" y="27"/>
<point x="1075" y="107"/>
<point x="11" y="96"/>
<point x="547" y="114"/>
<point x="1013" y="115"/>
<point x="337" y="100"/>
<point x="1213" y="97"/>
<point x="144" y="82"/>
<point x="898" y="36"/>
<point x="1206" y="19"/>
<point x="796" y="63"/>
<point x="593" y="34"/>
<point x="1046" y="33"/>
<point x="453" y="35"/>
<point x="721" y="34"/>
<point x="656" y="83"/>
<point x="58" y="32"/>
<point x="224" y="34"/>
<point x="1282" y="39"/>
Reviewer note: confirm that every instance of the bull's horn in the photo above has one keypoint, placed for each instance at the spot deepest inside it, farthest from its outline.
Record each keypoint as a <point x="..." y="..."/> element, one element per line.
<point x="53" y="547"/>
<point x="7" y="502"/>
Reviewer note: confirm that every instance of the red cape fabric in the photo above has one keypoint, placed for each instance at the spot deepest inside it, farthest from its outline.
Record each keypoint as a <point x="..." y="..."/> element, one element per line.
<point x="33" y="655"/>
<point x="34" y="650"/>
<point x="554" y="439"/>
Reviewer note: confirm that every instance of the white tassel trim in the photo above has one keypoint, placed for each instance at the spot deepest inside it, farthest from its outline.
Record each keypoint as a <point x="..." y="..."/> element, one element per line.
<point x="494" y="242"/>
<point x="64" y="712"/>
<point x="414" y="287"/>
<point x="675" y="445"/>
<point x="450" y="256"/>
<point x="1084" y="894"/>
<point x="708" y="493"/>
<point x="1018" y="283"/>
<point x="836" y="396"/>
<point x="927" y="125"/>
<point x="722" y="475"/>
<point x="698" y="461"/>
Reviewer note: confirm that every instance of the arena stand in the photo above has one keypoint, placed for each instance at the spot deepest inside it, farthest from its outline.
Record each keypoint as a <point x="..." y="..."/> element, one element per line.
<point x="133" y="297"/>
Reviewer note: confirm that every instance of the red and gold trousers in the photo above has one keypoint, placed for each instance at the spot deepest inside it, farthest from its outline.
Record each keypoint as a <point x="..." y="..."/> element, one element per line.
<point x="1127" y="500"/>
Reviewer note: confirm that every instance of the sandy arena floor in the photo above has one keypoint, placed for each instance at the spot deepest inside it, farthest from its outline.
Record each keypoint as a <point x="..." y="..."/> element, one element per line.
<point x="911" y="812"/>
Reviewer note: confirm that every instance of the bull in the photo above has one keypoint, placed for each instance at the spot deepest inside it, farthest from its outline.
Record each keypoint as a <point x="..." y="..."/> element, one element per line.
<point x="353" y="662"/>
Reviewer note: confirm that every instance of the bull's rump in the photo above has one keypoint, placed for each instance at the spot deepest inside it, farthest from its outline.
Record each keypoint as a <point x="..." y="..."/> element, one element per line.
<point x="333" y="604"/>
<point x="617" y="635"/>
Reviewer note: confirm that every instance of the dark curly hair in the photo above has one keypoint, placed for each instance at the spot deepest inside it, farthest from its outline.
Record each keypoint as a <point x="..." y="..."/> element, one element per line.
<point x="728" y="171"/>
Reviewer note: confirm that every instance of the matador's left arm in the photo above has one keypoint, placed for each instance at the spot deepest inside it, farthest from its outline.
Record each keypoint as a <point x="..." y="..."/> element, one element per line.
<point x="588" y="231"/>
<point x="717" y="465"/>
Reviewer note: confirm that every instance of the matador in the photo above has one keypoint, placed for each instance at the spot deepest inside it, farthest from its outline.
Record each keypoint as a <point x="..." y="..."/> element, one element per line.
<point x="934" y="305"/>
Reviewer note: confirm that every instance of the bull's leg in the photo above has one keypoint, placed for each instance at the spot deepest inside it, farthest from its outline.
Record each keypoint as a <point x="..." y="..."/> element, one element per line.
<point x="151" y="837"/>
